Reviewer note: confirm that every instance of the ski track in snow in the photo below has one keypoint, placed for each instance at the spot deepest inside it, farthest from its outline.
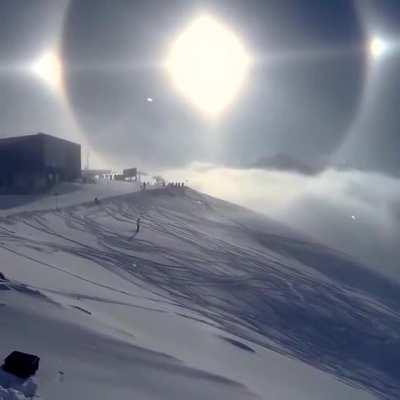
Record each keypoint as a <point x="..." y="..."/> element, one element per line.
<point x="283" y="293"/>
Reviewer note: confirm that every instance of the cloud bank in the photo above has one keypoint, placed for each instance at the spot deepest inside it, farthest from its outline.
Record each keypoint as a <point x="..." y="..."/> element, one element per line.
<point x="352" y="211"/>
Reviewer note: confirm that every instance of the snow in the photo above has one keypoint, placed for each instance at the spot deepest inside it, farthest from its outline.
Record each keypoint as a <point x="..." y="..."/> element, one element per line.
<point x="11" y="394"/>
<point x="68" y="194"/>
<point x="14" y="388"/>
<point x="208" y="301"/>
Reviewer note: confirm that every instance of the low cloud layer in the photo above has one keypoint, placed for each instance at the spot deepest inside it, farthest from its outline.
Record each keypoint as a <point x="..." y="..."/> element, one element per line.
<point x="355" y="212"/>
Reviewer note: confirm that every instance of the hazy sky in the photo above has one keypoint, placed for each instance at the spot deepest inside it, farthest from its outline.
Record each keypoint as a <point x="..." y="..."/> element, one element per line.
<point x="312" y="92"/>
<point x="302" y="105"/>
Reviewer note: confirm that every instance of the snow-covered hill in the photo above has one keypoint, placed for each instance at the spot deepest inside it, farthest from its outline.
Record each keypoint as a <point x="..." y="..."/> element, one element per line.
<point x="208" y="301"/>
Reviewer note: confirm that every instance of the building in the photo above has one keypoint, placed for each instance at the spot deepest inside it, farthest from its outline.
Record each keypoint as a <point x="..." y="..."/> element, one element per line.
<point x="33" y="163"/>
<point x="93" y="175"/>
<point x="130" y="173"/>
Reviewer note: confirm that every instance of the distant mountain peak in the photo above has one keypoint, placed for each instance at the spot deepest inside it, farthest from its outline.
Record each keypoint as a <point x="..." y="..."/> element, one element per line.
<point x="285" y="162"/>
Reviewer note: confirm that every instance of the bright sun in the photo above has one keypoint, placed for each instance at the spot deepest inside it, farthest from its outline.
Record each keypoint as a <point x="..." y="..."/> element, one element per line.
<point x="49" y="69"/>
<point x="208" y="65"/>
<point x="377" y="47"/>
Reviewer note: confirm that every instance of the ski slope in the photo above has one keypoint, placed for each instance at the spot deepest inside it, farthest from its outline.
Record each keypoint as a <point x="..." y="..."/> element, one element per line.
<point x="208" y="301"/>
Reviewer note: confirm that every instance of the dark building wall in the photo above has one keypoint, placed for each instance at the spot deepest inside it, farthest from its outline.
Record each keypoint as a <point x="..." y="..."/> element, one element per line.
<point x="20" y="154"/>
<point x="62" y="156"/>
<point x="35" y="162"/>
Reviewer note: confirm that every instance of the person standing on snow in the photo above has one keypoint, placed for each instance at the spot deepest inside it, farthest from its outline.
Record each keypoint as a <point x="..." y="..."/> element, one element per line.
<point x="137" y="229"/>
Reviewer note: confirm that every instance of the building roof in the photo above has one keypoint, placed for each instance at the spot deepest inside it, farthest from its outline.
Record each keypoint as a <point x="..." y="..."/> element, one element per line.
<point x="16" y="139"/>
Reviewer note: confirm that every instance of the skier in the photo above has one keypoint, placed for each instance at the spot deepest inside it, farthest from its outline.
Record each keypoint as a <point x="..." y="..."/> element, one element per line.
<point x="137" y="229"/>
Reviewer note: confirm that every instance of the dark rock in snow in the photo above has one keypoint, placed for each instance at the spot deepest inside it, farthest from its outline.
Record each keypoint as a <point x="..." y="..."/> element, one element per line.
<point x="22" y="365"/>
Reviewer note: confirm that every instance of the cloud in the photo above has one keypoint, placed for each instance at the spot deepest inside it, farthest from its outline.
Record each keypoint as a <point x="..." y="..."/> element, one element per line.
<point x="352" y="211"/>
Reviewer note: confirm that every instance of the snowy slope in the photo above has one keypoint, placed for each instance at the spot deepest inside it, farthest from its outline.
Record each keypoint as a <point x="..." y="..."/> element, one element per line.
<point x="64" y="195"/>
<point x="208" y="301"/>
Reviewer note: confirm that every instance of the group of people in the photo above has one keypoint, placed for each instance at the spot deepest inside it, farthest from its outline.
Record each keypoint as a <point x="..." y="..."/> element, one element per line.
<point x="176" y="185"/>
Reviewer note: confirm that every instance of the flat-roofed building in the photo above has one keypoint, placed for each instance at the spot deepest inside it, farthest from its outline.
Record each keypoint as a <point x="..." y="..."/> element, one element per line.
<point x="33" y="163"/>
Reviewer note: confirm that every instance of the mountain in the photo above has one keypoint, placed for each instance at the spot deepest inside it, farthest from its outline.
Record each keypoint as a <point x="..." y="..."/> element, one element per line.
<point x="284" y="162"/>
<point x="209" y="300"/>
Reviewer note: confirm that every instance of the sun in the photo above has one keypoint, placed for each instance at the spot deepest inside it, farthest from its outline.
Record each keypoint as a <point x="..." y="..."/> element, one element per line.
<point x="377" y="47"/>
<point x="48" y="68"/>
<point x="208" y="65"/>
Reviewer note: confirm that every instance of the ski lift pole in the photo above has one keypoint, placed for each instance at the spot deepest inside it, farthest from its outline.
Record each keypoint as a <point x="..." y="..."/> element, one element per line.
<point x="56" y="196"/>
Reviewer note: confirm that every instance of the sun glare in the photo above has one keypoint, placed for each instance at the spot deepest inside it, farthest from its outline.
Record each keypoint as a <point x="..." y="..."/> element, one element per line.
<point x="377" y="47"/>
<point x="48" y="68"/>
<point x="208" y="65"/>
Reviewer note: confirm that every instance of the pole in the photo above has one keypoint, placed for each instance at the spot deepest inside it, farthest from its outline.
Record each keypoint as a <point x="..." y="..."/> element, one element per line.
<point x="56" y="195"/>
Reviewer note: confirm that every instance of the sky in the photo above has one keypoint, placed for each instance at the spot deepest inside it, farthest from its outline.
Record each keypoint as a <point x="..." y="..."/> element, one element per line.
<point x="314" y="91"/>
<point x="302" y="105"/>
<point x="305" y="93"/>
